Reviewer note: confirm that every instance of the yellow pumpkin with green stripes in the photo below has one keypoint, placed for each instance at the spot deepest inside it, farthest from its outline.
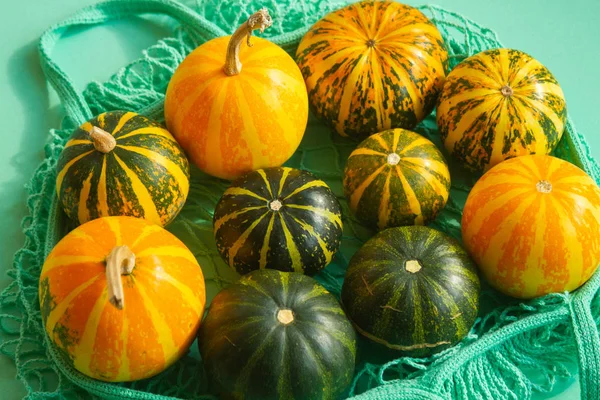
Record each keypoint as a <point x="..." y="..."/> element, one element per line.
<point x="279" y="218"/>
<point x="396" y="177"/>
<point x="371" y="66"/>
<point x="122" y="163"/>
<point x="499" y="104"/>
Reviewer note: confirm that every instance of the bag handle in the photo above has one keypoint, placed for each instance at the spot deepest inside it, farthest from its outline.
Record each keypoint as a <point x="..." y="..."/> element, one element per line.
<point x="588" y="343"/>
<point x="586" y="335"/>
<point x="73" y="101"/>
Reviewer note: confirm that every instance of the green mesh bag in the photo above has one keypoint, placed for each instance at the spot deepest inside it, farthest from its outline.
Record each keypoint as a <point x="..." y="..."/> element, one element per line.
<point x="515" y="349"/>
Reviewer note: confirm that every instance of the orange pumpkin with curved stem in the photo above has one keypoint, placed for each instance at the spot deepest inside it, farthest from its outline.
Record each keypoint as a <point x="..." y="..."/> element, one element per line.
<point x="122" y="298"/>
<point x="248" y="114"/>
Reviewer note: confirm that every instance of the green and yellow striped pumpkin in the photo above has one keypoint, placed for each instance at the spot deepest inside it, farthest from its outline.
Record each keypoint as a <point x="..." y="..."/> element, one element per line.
<point x="499" y="104"/>
<point x="278" y="335"/>
<point x="396" y="177"/>
<point x="122" y="163"/>
<point x="279" y="218"/>
<point x="371" y="66"/>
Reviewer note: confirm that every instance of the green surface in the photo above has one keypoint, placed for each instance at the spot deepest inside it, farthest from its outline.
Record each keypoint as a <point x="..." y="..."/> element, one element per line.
<point x="561" y="35"/>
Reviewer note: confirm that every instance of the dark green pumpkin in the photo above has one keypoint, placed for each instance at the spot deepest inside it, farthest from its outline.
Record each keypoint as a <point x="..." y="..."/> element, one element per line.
<point x="412" y="289"/>
<point x="122" y="163"/>
<point x="279" y="218"/>
<point x="278" y="335"/>
<point x="394" y="178"/>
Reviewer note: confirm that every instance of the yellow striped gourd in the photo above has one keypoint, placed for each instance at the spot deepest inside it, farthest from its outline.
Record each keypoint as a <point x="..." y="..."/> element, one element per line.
<point x="122" y="163"/>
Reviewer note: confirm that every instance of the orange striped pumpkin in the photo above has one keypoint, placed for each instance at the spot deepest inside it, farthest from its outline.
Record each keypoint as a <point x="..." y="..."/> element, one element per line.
<point x="372" y="66"/>
<point x="122" y="298"/>
<point x="532" y="224"/>
<point x="246" y="115"/>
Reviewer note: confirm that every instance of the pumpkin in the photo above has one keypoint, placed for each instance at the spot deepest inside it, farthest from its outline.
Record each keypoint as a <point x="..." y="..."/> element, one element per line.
<point x="280" y="218"/>
<point x="531" y="224"/>
<point x="122" y="163"/>
<point x="372" y="66"/>
<point x="278" y="335"/>
<point x="499" y="104"/>
<point x="412" y="289"/>
<point x="231" y="120"/>
<point x="396" y="177"/>
<point x="121" y="298"/>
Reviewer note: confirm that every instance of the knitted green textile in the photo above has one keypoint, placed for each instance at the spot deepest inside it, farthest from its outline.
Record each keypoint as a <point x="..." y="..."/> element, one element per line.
<point x="514" y="349"/>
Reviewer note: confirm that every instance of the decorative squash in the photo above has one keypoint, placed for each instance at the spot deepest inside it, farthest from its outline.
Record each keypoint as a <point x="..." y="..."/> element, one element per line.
<point x="499" y="104"/>
<point x="396" y="177"/>
<point x="278" y="335"/>
<point x="280" y="218"/>
<point x="231" y="120"/>
<point x="531" y="224"/>
<point x="122" y="298"/>
<point x="122" y="163"/>
<point x="372" y="66"/>
<point x="412" y="289"/>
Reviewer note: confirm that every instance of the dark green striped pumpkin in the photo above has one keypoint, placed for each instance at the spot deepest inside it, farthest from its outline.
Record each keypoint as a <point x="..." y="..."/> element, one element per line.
<point x="122" y="163"/>
<point x="396" y="177"/>
<point x="279" y="218"/>
<point x="278" y="335"/>
<point x="412" y="289"/>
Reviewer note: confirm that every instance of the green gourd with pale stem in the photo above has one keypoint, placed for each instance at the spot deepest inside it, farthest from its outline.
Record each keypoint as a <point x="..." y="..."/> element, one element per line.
<point x="278" y="335"/>
<point x="412" y="289"/>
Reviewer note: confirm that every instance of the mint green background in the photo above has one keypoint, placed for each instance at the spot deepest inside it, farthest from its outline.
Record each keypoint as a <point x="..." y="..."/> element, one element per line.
<point x="562" y="34"/>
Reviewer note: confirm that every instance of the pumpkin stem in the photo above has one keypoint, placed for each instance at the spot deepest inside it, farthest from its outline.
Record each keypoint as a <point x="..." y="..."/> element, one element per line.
<point x="285" y="316"/>
<point x="259" y="20"/>
<point x="393" y="159"/>
<point x="506" y="91"/>
<point x="413" y="266"/>
<point x="120" y="261"/>
<point x="275" y="205"/>
<point x="543" y="186"/>
<point x="102" y="140"/>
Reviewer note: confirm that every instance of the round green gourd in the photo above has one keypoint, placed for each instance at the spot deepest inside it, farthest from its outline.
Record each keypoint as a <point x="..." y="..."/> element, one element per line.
<point x="278" y="335"/>
<point x="279" y="218"/>
<point x="412" y="289"/>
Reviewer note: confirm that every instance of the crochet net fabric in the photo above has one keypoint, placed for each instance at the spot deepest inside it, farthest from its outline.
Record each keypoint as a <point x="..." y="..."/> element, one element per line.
<point x="514" y="348"/>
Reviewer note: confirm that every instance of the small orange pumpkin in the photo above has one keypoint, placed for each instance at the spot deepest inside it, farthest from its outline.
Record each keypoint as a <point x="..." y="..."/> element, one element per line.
<point x="532" y="224"/>
<point x="123" y="298"/>
<point x="232" y="120"/>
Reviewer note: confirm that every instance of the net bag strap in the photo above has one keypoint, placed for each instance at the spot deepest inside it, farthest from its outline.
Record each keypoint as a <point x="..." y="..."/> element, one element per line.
<point x="586" y="335"/>
<point x="73" y="101"/>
